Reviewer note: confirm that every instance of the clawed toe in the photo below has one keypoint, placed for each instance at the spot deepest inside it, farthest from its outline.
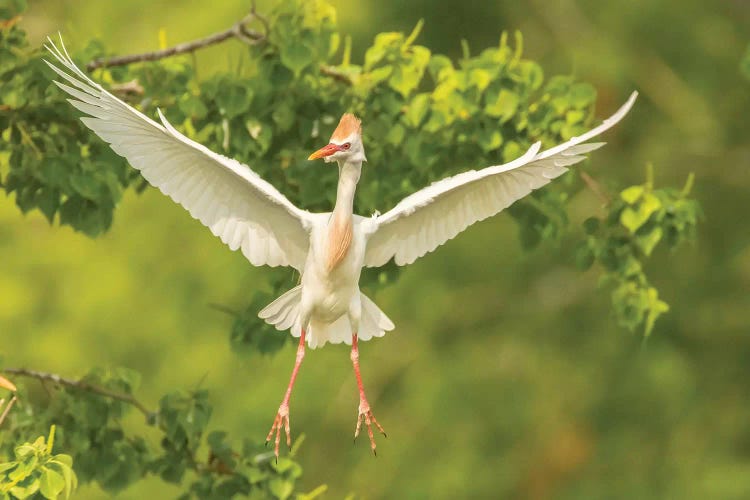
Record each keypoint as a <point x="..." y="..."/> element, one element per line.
<point x="365" y="415"/>
<point x="280" y="422"/>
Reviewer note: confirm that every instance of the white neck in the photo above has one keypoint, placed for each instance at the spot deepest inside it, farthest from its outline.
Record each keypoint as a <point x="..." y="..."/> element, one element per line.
<point x="348" y="178"/>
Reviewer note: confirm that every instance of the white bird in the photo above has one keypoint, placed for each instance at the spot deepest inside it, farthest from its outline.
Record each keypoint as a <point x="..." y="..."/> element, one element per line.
<point x="328" y="249"/>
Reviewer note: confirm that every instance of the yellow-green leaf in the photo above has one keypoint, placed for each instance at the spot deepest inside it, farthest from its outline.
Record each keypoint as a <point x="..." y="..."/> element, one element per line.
<point x="51" y="483"/>
<point x="632" y="194"/>
<point x="504" y="107"/>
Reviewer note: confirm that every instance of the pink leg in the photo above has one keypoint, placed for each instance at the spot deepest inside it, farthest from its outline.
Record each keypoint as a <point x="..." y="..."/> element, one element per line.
<point x="282" y="417"/>
<point x="365" y="413"/>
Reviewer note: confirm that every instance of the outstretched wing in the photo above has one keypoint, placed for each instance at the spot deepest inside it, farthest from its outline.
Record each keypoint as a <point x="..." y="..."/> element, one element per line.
<point x="428" y="218"/>
<point x="226" y="196"/>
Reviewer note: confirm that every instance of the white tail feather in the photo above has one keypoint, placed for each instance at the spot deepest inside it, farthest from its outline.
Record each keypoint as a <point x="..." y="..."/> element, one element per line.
<point x="283" y="313"/>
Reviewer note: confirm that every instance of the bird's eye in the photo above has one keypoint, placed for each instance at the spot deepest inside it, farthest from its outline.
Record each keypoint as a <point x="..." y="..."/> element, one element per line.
<point x="346" y="146"/>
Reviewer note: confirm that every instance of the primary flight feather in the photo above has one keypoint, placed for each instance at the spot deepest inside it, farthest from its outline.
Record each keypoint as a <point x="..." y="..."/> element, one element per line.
<point x="328" y="249"/>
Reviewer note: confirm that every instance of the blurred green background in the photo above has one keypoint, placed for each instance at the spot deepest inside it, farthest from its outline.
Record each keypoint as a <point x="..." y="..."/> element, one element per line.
<point x="506" y="376"/>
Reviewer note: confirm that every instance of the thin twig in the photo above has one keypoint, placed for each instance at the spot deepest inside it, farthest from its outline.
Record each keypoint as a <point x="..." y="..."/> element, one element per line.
<point x="595" y="187"/>
<point x="239" y="30"/>
<point x="7" y="409"/>
<point x="335" y="74"/>
<point x="81" y="385"/>
<point x="26" y="138"/>
<point x="263" y="20"/>
<point x="131" y="87"/>
<point x="224" y="309"/>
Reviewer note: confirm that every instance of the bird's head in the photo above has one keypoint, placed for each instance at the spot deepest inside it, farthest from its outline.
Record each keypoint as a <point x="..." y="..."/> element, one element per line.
<point x="345" y="144"/>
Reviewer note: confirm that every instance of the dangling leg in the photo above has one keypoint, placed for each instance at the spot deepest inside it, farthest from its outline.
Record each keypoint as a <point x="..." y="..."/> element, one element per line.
<point x="282" y="417"/>
<point x="365" y="413"/>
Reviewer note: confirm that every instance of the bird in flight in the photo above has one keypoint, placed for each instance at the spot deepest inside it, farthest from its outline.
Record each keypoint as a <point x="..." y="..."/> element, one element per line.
<point x="328" y="249"/>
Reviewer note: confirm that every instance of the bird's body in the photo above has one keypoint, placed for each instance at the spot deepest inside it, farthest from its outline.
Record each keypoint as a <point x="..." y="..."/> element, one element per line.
<point x="328" y="249"/>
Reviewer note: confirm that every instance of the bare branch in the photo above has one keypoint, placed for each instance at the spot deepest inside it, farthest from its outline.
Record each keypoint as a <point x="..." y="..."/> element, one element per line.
<point x="595" y="187"/>
<point x="131" y="87"/>
<point x="239" y="30"/>
<point x="81" y="385"/>
<point x="7" y="408"/>
<point x="224" y="309"/>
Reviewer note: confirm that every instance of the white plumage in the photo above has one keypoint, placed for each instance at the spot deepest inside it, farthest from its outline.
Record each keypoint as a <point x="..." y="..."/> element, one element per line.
<point x="329" y="249"/>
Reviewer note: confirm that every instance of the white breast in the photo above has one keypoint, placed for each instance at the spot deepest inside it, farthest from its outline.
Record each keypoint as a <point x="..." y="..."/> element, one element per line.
<point x="329" y="291"/>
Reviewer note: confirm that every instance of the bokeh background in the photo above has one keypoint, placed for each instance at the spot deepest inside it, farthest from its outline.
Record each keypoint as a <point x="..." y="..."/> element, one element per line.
<point x="507" y="376"/>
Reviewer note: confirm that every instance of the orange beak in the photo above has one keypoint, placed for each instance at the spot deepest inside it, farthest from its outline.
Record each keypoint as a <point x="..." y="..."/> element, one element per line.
<point x="324" y="151"/>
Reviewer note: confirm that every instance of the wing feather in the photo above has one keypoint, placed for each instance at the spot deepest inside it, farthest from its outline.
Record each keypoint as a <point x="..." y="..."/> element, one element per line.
<point x="428" y="218"/>
<point x="239" y="207"/>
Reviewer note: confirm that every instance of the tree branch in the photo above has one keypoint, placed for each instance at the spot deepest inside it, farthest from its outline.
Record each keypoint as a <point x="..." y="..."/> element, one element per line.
<point x="336" y="74"/>
<point x="81" y="385"/>
<point x="7" y="408"/>
<point x="595" y="187"/>
<point x="239" y="30"/>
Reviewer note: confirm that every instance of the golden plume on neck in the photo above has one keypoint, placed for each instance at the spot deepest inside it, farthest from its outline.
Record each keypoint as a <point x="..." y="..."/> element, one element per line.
<point x="340" y="235"/>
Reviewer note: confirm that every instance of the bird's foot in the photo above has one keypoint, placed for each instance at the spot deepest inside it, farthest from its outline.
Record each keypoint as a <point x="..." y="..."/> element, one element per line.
<point x="366" y="416"/>
<point x="281" y="421"/>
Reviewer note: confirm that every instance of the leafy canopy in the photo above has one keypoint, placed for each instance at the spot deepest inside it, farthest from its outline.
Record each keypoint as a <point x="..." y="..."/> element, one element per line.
<point x="425" y="116"/>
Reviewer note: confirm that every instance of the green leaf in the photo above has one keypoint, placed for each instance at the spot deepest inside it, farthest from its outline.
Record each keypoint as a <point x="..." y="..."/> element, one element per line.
<point x="280" y="488"/>
<point x="648" y="242"/>
<point x="296" y="56"/>
<point x="417" y="110"/>
<point x="440" y="67"/>
<point x="511" y="151"/>
<point x="192" y="106"/>
<point x="86" y="185"/>
<point x="504" y="107"/>
<point x="632" y="219"/>
<point x="7" y="466"/>
<point x="25" y="489"/>
<point x="395" y="135"/>
<point x="283" y="116"/>
<point x="582" y="95"/>
<point x="25" y="467"/>
<point x="489" y="140"/>
<point x="574" y="116"/>
<point x="379" y="75"/>
<point x="234" y="99"/>
<point x="406" y="77"/>
<point x="480" y="78"/>
<point x="591" y="225"/>
<point x="656" y="308"/>
<point x="51" y="483"/>
<point x="650" y="204"/>
<point x="384" y="43"/>
<point x="632" y="194"/>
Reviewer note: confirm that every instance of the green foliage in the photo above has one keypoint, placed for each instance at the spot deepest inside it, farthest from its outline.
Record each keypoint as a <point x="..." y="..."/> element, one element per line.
<point x="89" y="417"/>
<point x="426" y="117"/>
<point x="36" y="470"/>
<point x="638" y="220"/>
<point x="9" y="9"/>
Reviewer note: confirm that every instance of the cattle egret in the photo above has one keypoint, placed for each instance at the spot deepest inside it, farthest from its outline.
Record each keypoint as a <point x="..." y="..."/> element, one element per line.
<point x="328" y="249"/>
